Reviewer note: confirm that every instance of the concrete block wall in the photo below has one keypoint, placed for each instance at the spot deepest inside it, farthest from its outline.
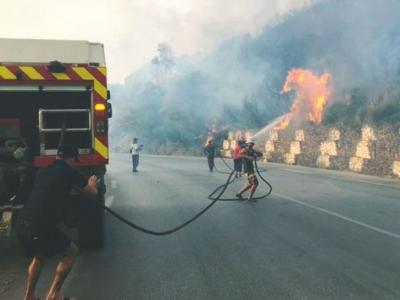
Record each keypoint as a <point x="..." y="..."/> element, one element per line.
<point x="368" y="150"/>
<point x="329" y="149"/>
<point x="233" y="136"/>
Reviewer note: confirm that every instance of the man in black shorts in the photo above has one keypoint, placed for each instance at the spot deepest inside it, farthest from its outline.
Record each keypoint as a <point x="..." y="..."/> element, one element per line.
<point x="45" y="209"/>
<point x="248" y="155"/>
<point x="209" y="151"/>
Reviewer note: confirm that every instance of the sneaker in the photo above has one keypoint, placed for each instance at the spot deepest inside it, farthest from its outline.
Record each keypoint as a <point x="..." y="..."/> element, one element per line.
<point x="239" y="196"/>
<point x="252" y="200"/>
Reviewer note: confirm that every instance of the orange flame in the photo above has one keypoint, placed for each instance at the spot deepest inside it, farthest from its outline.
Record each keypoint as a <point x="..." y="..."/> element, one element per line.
<point x="312" y="95"/>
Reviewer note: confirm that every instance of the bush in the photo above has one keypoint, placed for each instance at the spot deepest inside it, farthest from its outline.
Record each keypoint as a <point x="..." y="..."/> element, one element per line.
<point x="351" y="114"/>
<point x="335" y="114"/>
<point x="386" y="112"/>
<point x="358" y="112"/>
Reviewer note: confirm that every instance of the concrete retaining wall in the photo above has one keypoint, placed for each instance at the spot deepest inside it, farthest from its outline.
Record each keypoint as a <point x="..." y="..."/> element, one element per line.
<point x="368" y="150"/>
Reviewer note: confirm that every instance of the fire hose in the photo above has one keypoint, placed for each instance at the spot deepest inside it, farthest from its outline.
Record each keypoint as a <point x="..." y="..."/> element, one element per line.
<point x="226" y="164"/>
<point x="219" y="191"/>
<point x="236" y="199"/>
<point x="223" y="172"/>
<point x="222" y="190"/>
<point x="230" y="168"/>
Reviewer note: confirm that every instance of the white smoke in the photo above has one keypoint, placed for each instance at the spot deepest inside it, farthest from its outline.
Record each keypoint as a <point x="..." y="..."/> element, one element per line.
<point x="132" y="29"/>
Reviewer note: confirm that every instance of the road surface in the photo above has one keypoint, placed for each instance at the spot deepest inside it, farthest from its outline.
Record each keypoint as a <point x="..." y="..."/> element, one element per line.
<point x="320" y="235"/>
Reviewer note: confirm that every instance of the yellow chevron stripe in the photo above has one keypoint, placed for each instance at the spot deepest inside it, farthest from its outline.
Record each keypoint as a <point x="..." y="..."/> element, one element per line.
<point x="6" y="73"/>
<point x="103" y="70"/>
<point x="61" y="76"/>
<point x="98" y="87"/>
<point x="32" y="73"/>
<point x="101" y="148"/>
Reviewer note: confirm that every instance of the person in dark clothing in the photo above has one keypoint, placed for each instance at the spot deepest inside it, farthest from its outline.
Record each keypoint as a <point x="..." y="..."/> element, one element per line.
<point x="209" y="151"/>
<point x="37" y="229"/>
<point x="249" y="155"/>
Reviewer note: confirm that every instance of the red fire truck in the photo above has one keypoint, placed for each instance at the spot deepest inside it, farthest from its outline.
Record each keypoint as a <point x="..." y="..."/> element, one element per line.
<point x="52" y="92"/>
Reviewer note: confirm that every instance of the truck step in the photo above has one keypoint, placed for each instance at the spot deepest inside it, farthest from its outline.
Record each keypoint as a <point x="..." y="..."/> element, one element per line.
<point x="9" y="207"/>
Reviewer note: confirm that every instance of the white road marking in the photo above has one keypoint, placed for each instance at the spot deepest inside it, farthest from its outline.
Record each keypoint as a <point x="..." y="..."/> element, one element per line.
<point x="343" y="178"/>
<point x="109" y="200"/>
<point x="373" y="228"/>
<point x="297" y="171"/>
<point x="370" y="182"/>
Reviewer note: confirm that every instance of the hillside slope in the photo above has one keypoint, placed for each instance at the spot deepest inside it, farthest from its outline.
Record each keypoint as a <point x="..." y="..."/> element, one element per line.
<point x="172" y="101"/>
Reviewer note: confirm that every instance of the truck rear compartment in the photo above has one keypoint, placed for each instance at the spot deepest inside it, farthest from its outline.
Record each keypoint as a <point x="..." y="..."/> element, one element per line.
<point x="48" y="87"/>
<point x="59" y="108"/>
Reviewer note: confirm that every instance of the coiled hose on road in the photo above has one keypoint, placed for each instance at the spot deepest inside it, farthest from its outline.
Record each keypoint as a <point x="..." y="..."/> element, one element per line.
<point x="220" y="190"/>
<point x="236" y="199"/>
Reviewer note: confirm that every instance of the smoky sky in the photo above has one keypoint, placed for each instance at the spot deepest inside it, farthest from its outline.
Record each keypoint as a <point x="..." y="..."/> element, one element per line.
<point x="132" y="29"/>
<point x="238" y="83"/>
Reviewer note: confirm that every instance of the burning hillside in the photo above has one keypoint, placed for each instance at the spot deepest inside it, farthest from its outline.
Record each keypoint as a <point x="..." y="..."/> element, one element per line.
<point x="313" y="93"/>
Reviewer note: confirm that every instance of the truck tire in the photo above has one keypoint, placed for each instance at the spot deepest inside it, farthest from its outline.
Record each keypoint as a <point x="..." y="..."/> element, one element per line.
<point x="91" y="227"/>
<point x="91" y="223"/>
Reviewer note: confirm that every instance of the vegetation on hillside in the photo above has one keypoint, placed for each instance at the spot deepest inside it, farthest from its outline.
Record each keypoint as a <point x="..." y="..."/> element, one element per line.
<point x="359" y="111"/>
<point x="172" y="102"/>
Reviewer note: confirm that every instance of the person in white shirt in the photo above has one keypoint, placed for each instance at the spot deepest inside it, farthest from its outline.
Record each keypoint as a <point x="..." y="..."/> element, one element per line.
<point x="134" y="150"/>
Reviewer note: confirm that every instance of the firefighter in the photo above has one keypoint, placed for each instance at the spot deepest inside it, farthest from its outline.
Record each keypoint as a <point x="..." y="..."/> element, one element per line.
<point x="209" y="151"/>
<point x="249" y="155"/>
<point x="45" y="209"/>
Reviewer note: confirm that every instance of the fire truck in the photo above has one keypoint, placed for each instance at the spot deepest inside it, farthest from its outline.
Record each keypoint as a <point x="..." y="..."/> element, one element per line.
<point x="52" y="92"/>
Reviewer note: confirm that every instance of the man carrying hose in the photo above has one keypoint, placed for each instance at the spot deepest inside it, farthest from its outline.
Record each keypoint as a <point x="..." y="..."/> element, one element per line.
<point x="37" y="226"/>
<point x="249" y="155"/>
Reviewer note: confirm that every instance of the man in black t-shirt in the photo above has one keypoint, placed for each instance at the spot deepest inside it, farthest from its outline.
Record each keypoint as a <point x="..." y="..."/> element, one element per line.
<point x="248" y="155"/>
<point x="45" y="209"/>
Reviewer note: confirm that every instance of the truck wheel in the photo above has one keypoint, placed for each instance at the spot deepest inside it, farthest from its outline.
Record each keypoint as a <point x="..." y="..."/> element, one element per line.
<point x="91" y="223"/>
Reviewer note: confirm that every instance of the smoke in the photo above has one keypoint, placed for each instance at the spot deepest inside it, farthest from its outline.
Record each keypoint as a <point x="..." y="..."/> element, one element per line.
<point x="189" y="26"/>
<point x="239" y="82"/>
<point x="131" y="29"/>
<point x="357" y="41"/>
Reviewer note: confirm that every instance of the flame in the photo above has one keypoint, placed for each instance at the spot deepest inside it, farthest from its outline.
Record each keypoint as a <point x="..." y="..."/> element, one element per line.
<point x="312" y="96"/>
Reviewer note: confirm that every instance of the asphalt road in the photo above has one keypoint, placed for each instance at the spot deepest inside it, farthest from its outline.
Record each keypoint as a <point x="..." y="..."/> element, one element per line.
<point x="320" y="235"/>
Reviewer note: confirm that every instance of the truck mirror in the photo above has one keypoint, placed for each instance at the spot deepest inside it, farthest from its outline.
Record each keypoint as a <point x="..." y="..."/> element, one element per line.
<point x="109" y="110"/>
<point x="108" y="95"/>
